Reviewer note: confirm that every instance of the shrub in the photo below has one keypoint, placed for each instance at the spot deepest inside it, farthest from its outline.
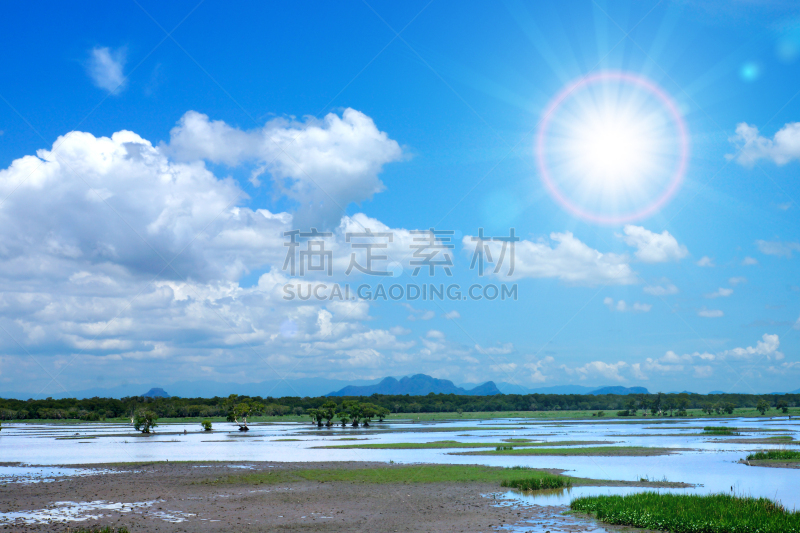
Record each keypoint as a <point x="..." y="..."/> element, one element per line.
<point x="206" y="424"/>
<point x="547" y="481"/>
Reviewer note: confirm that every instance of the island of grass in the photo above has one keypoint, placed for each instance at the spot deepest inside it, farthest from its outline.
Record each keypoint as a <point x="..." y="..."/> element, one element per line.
<point x="719" y="430"/>
<point x="679" y="513"/>
<point x="604" y="451"/>
<point x="774" y="458"/>
<point x="442" y="444"/>
<point x="516" y="477"/>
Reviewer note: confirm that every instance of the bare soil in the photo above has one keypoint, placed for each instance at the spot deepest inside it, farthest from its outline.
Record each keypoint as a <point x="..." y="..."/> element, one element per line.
<point x="182" y="490"/>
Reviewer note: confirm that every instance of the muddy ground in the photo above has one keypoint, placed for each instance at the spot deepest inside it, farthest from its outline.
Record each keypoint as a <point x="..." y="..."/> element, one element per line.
<point x="181" y="492"/>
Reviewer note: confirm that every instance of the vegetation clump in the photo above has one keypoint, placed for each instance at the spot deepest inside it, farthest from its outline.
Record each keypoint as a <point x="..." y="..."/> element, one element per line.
<point x="685" y="513"/>
<point x="206" y="424"/>
<point x="538" y="483"/>
<point x="145" y="421"/>
<point x="775" y="455"/>
<point x="503" y="448"/>
<point x="719" y="430"/>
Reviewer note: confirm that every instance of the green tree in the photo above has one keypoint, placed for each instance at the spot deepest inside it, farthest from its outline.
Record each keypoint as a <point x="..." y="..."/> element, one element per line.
<point x="206" y="424"/>
<point x="344" y="417"/>
<point x="238" y="411"/>
<point x="353" y="408"/>
<point x="329" y="411"/>
<point x="782" y="406"/>
<point x="384" y="412"/>
<point x="144" y="421"/>
<point x="762" y="406"/>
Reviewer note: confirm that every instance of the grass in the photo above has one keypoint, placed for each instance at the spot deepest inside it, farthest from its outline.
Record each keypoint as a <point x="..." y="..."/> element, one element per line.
<point x="393" y="474"/>
<point x="683" y="513"/>
<point x="442" y="444"/>
<point x="719" y="430"/>
<point x="538" y="482"/>
<point x="606" y="451"/>
<point x="427" y="473"/>
<point x="775" y="455"/>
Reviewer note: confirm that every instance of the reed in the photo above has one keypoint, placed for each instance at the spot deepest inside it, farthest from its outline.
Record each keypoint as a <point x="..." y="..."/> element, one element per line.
<point x="688" y="513"/>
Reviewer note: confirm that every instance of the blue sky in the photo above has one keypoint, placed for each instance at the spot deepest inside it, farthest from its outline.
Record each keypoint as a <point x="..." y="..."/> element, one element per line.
<point x="156" y="254"/>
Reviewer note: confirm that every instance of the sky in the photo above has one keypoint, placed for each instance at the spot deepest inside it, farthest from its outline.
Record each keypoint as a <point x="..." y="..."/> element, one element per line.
<point x="162" y="167"/>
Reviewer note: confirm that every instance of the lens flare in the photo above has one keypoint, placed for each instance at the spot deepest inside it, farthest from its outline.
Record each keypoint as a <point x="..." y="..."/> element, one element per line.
<point x="612" y="147"/>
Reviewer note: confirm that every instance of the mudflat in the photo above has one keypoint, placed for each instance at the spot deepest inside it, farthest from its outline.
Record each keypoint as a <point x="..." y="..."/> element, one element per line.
<point x="282" y="497"/>
<point x="208" y="497"/>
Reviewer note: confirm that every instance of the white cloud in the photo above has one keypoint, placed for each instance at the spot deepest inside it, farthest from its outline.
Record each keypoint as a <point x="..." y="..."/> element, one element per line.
<point x="653" y="247"/>
<point x="324" y="165"/>
<point x="737" y="280"/>
<point x="751" y="147"/>
<point x="570" y="260"/>
<point x="622" y="306"/>
<point x="502" y="349"/>
<point x="537" y="368"/>
<point x="705" y="261"/>
<point x="720" y="293"/>
<point x="766" y="347"/>
<point x="749" y="261"/>
<point x="777" y="248"/>
<point x="710" y="313"/>
<point x="664" y="289"/>
<point x="452" y="315"/>
<point x="105" y="68"/>
<point x="599" y="368"/>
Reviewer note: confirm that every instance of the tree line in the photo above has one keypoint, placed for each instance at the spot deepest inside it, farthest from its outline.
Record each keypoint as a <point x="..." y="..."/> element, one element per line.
<point x="238" y="408"/>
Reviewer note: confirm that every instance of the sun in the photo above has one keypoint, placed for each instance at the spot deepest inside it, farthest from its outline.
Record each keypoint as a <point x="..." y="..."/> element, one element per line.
<point x="612" y="147"/>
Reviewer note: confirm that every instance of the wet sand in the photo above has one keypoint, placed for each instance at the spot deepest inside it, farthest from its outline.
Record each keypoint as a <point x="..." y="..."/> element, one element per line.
<point x="181" y="491"/>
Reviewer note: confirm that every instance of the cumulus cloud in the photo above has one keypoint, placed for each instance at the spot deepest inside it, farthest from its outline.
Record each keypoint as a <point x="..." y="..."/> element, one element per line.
<point x="777" y="248"/>
<point x="452" y="315"/>
<point x="766" y="347"/>
<point x="105" y="68"/>
<point x="722" y="292"/>
<point x="705" y="261"/>
<point x="710" y="313"/>
<point x="501" y="349"/>
<point x="752" y="147"/>
<point x="324" y="165"/>
<point x="704" y="363"/>
<point x="564" y="257"/>
<point x="622" y="306"/>
<point x="737" y="280"/>
<point x="599" y="368"/>
<point x="663" y="289"/>
<point x="749" y="261"/>
<point x="653" y="247"/>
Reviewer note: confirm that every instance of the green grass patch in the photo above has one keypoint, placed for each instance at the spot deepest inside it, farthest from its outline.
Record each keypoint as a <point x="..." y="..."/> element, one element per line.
<point x="682" y="513"/>
<point x="393" y="474"/>
<point x="538" y="482"/>
<point x="442" y="444"/>
<point x="775" y="455"/>
<point x="719" y="430"/>
<point x="607" y="451"/>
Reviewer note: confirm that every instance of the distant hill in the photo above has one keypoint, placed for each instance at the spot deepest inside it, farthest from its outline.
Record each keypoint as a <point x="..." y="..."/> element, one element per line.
<point x="620" y="390"/>
<point x="156" y="393"/>
<point x="513" y="388"/>
<point x="417" y="385"/>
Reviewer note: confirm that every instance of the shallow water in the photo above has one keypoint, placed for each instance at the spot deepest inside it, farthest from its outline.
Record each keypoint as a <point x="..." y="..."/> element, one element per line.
<point x="82" y="511"/>
<point x="712" y="465"/>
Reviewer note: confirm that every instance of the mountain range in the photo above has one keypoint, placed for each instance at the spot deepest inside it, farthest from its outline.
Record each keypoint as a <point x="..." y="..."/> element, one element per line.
<point x="417" y="385"/>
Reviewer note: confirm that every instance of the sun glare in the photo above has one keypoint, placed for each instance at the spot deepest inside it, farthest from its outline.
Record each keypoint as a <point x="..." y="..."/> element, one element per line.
<point x="612" y="148"/>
